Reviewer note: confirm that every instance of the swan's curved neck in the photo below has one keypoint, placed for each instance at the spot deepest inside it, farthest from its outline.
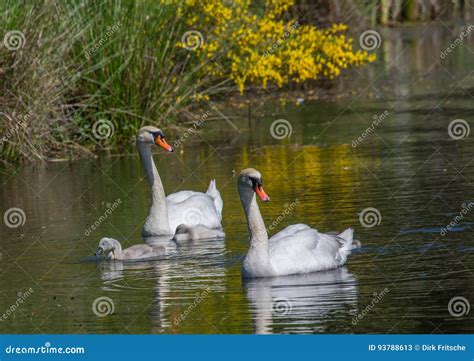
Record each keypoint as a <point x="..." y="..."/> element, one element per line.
<point x="117" y="250"/>
<point x="256" y="226"/>
<point x="158" y="215"/>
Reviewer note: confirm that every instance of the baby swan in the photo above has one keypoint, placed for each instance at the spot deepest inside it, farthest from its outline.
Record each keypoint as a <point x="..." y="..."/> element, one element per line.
<point x="112" y="249"/>
<point x="188" y="233"/>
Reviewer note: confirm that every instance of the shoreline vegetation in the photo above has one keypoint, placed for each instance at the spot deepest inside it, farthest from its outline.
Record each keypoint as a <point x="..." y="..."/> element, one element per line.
<point x="77" y="76"/>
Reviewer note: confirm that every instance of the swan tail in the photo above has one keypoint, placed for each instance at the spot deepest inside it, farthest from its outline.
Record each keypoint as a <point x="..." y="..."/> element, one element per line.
<point x="348" y="241"/>
<point x="215" y="195"/>
<point x="347" y="244"/>
<point x="212" y="188"/>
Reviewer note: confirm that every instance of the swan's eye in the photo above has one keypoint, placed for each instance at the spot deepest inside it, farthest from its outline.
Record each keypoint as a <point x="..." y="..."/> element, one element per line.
<point x="249" y="181"/>
<point x="156" y="135"/>
<point x="255" y="182"/>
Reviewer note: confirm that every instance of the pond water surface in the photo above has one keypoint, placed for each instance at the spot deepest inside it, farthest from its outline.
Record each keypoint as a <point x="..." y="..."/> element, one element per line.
<point x="409" y="169"/>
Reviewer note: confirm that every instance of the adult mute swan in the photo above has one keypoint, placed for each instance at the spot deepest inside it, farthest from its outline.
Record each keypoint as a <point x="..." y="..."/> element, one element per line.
<point x="185" y="207"/>
<point x="112" y="249"/>
<point x="297" y="249"/>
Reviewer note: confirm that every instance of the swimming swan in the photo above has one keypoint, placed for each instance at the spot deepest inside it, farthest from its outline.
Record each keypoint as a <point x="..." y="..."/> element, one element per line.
<point x="187" y="233"/>
<point x="297" y="249"/>
<point x="112" y="249"/>
<point x="185" y="207"/>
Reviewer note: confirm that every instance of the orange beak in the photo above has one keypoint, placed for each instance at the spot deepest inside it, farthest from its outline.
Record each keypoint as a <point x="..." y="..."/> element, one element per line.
<point x="163" y="144"/>
<point x="261" y="193"/>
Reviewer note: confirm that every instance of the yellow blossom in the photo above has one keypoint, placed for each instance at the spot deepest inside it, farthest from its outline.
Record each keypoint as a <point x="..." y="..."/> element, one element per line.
<point x="260" y="48"/>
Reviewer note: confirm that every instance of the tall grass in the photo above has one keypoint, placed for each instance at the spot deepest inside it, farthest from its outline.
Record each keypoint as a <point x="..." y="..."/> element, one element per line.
<point x="88" y="73"/>
<point x="89" y="60"/>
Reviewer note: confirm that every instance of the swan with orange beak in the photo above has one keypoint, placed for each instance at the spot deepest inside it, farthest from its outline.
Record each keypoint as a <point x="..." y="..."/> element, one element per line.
<point x="296" y="249"/>
<point x="187" y="208"/>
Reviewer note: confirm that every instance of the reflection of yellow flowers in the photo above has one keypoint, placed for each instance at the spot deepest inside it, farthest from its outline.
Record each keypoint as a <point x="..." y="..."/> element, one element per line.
<point x="262" y="49"/>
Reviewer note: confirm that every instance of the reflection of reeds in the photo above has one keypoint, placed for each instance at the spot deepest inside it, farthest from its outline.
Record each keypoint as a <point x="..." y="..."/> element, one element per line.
<point x="371" y="12"/>
<point x="84" y="61"/>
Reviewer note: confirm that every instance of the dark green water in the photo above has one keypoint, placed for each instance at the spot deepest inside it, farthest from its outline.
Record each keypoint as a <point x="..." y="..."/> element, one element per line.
<point x="401" y="281"/>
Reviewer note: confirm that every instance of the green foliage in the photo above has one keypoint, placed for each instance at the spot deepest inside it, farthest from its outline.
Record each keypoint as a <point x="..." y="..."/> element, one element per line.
<point x="84" y="61"/>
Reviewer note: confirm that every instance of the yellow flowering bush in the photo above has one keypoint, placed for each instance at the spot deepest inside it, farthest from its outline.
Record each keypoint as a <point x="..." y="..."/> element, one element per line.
<point x="255" y="46"/>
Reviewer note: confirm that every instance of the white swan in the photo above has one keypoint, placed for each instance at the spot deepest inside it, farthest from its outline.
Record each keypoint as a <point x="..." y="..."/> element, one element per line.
<point x="188" y="233"/>
<point x="112" y="249"/>
<point x="185" y="207"/>
<point x="296" y="249"/>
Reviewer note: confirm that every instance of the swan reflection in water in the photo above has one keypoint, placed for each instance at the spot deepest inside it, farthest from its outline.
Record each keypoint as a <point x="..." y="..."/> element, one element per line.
<point x="189" y="268"/>
<point x="302" y="303"/>
<point x="198" y="268"/>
